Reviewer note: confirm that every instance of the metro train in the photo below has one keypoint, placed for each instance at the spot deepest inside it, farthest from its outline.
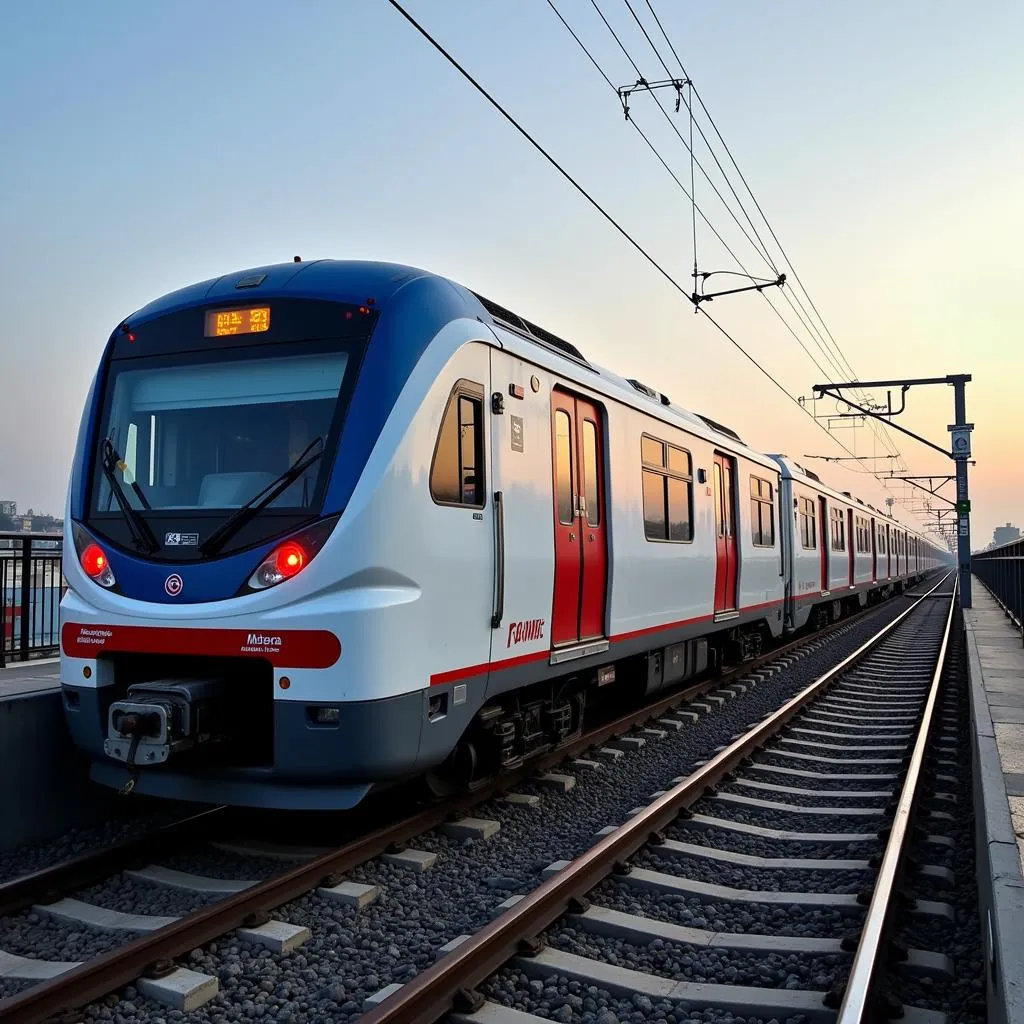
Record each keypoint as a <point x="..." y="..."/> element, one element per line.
<point x="339" y="524"/>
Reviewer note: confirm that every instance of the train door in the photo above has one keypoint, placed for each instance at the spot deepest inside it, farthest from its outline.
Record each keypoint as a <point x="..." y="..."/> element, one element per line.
<point x="874" y="551"/>
<point x="823" y="539"/>
<point x="581" y="548"/>
<point x="850" y="538"/>
<point x="726" y="556"/>
<point x="888" y="552"/>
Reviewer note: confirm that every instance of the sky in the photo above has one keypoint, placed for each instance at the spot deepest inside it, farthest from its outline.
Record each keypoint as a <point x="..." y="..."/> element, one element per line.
<point x="148" y="146"/>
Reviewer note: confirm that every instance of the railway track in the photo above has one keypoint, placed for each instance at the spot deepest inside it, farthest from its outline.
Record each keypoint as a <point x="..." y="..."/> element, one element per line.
<point x="866" y="722"/>
<point x="152" y="954"/>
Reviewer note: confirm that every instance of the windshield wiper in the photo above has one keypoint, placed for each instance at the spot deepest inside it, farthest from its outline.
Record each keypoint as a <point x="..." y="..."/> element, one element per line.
<point x="142" y="535"/>
<point x="261" y="499"/>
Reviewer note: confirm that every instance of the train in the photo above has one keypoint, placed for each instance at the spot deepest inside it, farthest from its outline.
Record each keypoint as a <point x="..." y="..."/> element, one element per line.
<point x="334" y="525"/>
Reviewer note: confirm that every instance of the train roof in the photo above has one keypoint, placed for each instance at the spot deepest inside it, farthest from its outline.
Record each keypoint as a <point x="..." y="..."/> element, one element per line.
<point x="358" y="281"/>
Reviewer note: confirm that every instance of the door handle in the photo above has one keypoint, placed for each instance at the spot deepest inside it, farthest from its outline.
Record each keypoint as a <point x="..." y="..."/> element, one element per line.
<point x="498" y="610"/>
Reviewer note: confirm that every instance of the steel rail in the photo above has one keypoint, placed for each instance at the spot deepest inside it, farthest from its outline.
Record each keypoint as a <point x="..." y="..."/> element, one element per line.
<point x="860" y="985"/>
<point x="433" y="993"/>
<point x="100" y="975"/>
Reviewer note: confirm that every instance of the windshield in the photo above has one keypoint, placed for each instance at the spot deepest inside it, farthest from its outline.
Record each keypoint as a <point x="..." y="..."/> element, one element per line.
<point x="211" y="435"/>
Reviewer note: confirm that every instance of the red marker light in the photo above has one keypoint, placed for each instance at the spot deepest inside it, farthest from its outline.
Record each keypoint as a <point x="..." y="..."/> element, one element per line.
<point x="131" y="337"/>
<point x="96" y="566"/>
<point x="290" y="559"/>
<point x="94" y="562"/>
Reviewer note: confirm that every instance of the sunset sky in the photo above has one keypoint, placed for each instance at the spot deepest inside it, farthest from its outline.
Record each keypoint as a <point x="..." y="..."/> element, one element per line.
<point x="148" y="146"/>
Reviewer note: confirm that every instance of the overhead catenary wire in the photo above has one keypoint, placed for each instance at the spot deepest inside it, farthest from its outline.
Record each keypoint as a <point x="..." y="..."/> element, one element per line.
<point x="455" y="63"/>
<point x="756" y="245"/>
<point x="694" y="206"/>
<point x="877" y="428"/>
<point x="808" y="322"/>
<point x="700" y="130"/>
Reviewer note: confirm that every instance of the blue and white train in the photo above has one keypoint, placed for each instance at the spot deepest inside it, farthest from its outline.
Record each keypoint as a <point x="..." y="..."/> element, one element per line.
<point x="340" y="523"/>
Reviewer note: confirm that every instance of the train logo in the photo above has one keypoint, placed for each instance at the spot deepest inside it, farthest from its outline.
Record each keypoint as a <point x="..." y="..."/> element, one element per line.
<point x="174" y="584"/>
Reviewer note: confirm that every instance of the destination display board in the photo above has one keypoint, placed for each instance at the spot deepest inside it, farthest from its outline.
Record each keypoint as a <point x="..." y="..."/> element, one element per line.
<point x="244" y="320"/>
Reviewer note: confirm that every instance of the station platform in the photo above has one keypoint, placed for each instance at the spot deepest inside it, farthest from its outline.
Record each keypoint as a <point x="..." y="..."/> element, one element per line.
<point x="45" y="790"/>
<point x="995" y="660"/>
<point x="23" y="677"/>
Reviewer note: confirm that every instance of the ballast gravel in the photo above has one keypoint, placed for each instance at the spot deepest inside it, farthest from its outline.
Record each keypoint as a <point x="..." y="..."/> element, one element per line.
<point x="788" y="821"/>
<point x="809" y="799"/>
<point x="861" y="766"/>
<point x="352" y="954"/>
<point x="207" y="859"/>
<point x="722" y="916"/>
<point x="131" y="897"/>
<point x="716" y="872"/>
<point x="24" y="860"/>
<point x="762" y="846"/>
<point x="43" y="938"/>
<point x="688" y="963"/>
<point x="568" y="1002"/>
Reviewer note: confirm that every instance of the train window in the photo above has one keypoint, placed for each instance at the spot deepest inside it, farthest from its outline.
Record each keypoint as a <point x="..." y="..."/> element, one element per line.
<point x="860" y="525"/>
<point x="590" y="494"/>
<point x="457" y="473"/>
<point x="563" y="466"/>
<point x="762" y="512"/>
<point x="655" y="517"/>
<point x="678" y="509"/>
<point x="808" y="540"/>
<point x="838" y="523"/>
<point x="667" y="491"/>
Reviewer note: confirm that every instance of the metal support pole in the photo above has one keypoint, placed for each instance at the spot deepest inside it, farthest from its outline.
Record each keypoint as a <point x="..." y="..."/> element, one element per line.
<point x="961" y="444"/>
<point x="26" y="595"/>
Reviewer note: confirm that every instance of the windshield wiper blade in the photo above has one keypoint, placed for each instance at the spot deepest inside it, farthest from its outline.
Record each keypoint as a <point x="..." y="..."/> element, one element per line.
<point x="142" y="535"/>
<point x="261" y="499"/>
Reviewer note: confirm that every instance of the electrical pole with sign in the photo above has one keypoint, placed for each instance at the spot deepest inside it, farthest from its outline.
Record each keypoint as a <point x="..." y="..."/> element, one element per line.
<point x="960" y="438"/>
<point x="960" y="449"/>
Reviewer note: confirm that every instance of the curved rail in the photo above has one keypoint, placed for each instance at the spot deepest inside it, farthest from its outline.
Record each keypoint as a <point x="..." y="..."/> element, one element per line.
<point x="435" y="992"/>
<point x="868" y="959"/>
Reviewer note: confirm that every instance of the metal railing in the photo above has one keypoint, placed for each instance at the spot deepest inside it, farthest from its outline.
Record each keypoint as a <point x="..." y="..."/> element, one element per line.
<point x="31" y="586"/>
<point x="1002" y="571"/>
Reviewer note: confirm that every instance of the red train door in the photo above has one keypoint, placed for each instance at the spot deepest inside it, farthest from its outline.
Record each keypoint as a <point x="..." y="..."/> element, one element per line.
<point x="874" y="551"/>
<point x="581" y="549"/>
<point x="726" y="557"/>
<point x="849" y="543"/>
<point x="823" y="541"/>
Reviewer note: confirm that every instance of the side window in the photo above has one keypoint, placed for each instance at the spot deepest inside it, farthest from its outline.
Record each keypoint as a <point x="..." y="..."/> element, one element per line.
<point x="457" y="473"/>
<point x="667" y="491"/>
<point x="838" y="530"/>
<point x="762" y="512"/>
<point x="590" y="493"/>
<point x="563" y="466"/>
<point x="808" y="539"/>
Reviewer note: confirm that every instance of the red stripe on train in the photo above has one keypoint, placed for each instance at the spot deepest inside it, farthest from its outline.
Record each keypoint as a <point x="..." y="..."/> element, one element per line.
<point x="290" y="648"/>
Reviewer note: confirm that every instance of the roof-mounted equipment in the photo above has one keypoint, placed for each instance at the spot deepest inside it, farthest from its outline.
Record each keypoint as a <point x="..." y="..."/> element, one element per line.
<point x="520" y="325"/>
<point x="721" y="429"/>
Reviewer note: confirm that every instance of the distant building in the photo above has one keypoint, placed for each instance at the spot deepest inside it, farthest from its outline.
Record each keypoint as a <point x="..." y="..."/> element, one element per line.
<point x="8" y="508"/>
<point x="1005" y="534"/>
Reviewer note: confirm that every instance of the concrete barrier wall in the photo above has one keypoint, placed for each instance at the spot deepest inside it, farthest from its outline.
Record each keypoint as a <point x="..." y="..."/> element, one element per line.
<point x="44" y="782"/>
<point x="1000" y="881"/>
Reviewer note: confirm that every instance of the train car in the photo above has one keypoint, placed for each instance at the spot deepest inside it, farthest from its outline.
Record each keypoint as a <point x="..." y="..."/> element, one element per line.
<point x="340" y="523"/>
<point x="833" y="562"/>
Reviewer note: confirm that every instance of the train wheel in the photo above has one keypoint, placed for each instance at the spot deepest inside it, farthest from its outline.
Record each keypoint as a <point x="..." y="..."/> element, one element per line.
<point x="455" y="774"/>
